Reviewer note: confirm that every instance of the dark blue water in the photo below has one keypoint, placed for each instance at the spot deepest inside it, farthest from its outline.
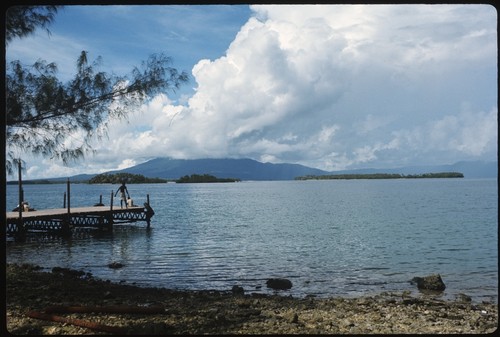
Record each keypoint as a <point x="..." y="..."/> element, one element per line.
<point x="330" y="238"/>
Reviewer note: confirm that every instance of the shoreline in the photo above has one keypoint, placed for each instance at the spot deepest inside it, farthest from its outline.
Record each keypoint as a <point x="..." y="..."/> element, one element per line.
<point x="133" y="309"/>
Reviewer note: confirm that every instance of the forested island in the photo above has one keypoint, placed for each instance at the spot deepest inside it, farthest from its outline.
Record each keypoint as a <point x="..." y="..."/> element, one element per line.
<point x="140" y="179"/>
<point x="129" y="178"/>
<point x="382" y="176"/>
<point x="206" y="178"/>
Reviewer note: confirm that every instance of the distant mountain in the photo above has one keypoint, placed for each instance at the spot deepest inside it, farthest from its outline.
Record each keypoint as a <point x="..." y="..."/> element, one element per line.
<point x="248" y="169"/>
<point x="244" y="169"/>
<point x="79" y="177"/>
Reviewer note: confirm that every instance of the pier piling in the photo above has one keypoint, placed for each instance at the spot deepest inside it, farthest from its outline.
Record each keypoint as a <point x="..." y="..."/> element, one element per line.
<point x="21" y="230"/>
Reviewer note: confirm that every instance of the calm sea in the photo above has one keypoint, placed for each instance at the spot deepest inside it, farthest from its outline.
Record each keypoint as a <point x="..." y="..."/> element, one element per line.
<point x="330" y="238"/>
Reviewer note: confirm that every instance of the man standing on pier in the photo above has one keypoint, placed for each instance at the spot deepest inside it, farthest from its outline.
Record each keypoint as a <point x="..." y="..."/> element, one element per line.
<point x="123" y="194"/>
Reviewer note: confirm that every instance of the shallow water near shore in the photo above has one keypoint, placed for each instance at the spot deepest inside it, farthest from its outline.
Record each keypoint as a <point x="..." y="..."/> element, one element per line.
<point x="330" y="238"/>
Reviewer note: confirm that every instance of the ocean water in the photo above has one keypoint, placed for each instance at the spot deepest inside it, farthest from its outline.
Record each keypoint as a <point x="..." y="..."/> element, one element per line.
<point x="330" y="238"/>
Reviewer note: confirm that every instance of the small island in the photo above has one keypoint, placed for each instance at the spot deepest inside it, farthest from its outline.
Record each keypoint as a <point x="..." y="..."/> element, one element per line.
<point x="206" y="178"/>
<point x="382" y="176"/>
<point x="129" y="178"/>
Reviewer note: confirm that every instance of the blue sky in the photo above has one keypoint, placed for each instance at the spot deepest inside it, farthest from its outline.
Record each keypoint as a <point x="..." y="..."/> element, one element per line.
<point x="332" y="87"/>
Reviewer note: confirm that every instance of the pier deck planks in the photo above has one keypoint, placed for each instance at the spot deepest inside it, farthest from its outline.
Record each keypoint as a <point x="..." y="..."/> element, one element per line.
<point x="74" y="211"/>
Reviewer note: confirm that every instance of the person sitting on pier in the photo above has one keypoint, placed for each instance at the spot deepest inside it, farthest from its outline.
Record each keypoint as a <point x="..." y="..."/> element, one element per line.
<point x="130" y="202"/>
<point x="123" y="190"/>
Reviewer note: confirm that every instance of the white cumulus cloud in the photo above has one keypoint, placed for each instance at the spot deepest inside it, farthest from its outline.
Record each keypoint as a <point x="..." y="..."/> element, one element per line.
<point x="334" y="87"/>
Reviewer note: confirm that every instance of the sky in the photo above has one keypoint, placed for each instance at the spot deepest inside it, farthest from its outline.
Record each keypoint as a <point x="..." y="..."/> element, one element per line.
<point x="332" y="87"/>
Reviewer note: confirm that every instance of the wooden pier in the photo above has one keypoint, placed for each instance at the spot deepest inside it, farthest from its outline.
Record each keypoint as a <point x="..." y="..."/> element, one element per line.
<point x="64" y="221"/>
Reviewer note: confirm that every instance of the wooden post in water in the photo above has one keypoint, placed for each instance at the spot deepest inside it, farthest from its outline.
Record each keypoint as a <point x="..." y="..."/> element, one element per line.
<point x="110" y="216"/>
<point x="64" y="201"/>
<point x="66" y="229"/>
<point x="21" y="230"/>
<point x="149" y="213"/>
<point x="20" y="184"/>
<point x="69" y="198"/>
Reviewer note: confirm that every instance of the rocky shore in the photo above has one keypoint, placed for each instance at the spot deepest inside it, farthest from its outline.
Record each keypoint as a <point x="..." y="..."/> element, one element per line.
<point x="69" y="302"/>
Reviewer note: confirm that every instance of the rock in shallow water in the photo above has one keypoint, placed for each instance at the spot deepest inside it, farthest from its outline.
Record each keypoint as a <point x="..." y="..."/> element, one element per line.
<point x="115" y="265"/>
<point x="279" y="283"/>
<point x="431" y="282"/>
<point x="237" y="290"/>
